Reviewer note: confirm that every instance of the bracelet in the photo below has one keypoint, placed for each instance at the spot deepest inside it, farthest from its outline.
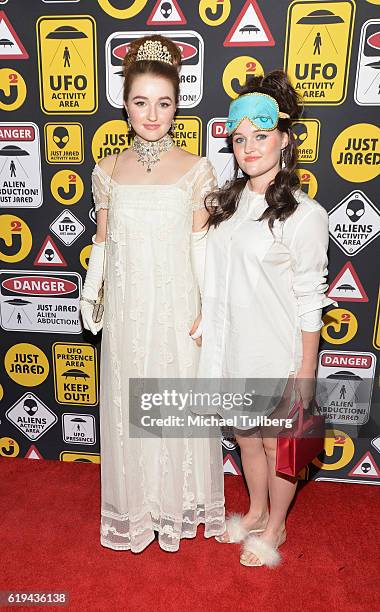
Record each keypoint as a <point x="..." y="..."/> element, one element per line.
<point x="87" y="300"/>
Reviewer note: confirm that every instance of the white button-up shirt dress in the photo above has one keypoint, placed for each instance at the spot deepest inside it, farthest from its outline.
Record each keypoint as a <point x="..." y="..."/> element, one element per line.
<point x="257" y="285"/>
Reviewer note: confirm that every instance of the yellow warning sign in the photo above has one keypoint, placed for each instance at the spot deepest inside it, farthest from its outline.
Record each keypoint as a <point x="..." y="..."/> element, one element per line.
<point x="340" y="326"/>
<point x="214" y="12"/>
<point x="308" y="182"/>
<point x="339" y="450"/>
<point x="318" y="49"/>
<point x="237" y="71"/>
<point x="67" y="187"/>
<point x="9" y="447"/>
<point x="13" y="89"/>
<point x="306" y="133"/>
<point x="79" y="457"/>
<point x="15" y="239"/>
<point x="132" y="10"/>
<point x="75" y="373"/>
<point x="355" y="153"/>
<point x="63" y="143"/>
<point x="188" y="134"/>
<point x="110" y="138"/>
<point x="67" y="64"/>
<point x="26" y="364"/>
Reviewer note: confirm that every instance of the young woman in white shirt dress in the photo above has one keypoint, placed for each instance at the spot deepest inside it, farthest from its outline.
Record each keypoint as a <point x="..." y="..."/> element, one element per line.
<point x="151" y="242"/>
<point x="265" y="283"/>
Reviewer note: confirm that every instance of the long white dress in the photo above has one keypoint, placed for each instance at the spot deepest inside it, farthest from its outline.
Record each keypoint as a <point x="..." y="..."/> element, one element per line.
<point x="168" y="485"/>
<point x="257" y="286"/>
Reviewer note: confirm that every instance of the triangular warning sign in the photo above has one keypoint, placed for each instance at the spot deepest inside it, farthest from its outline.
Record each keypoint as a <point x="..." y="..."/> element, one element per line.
<point x="250" y="28"/>
<point x="230" y="466"/>
<point x="33" y="453"/>
<point x="11" y="46"/>
<point x="366" y="467"/>
<point x="166" y="13"/>
<point x="49" y="254"/>
<point x="346" y="287"/>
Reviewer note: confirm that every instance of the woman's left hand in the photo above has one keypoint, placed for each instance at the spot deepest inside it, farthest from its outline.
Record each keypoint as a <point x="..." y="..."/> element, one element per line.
<point x="305" y="386"/>
<point x="196" y="330"/>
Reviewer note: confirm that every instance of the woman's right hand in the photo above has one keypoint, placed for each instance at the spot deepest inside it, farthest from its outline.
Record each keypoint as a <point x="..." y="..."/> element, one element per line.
<point x="196" y="330"/>
<point x="86" y="310"/>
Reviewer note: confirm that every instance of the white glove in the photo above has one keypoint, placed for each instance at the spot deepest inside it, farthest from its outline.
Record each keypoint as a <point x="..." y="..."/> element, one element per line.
<point x="198" y="257"/>
<point x="92" y="284"/>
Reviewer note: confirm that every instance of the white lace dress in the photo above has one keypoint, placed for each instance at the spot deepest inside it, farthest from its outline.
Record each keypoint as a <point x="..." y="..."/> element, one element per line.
<point x="168" y="485"/>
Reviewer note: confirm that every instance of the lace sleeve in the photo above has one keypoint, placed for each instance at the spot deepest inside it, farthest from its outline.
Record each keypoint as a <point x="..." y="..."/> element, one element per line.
<point x="205" y="181"/>
<point x="101" y="185"/>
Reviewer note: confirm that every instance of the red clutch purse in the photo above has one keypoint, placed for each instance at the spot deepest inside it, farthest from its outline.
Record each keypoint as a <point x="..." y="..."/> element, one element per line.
<point x="300" y="444"/>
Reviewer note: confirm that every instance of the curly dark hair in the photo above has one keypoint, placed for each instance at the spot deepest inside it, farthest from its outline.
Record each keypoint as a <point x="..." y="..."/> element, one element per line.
<point x="280" y="192"/>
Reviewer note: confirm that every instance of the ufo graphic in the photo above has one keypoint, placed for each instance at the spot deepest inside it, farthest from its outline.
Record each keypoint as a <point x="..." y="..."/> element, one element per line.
<point x="18" y="303"/>
<point x="5" y="42"/>
<point x="375" y="66"/>
<point x="345" y="379"/>
<point x="74" y="373"/>
<point x="66" y="33"/>
<point x="13" y="151"/>
<point x="249" y="29"/>
<point x="321" y="17"/>
<point x="346" y="287"/>
<point x="344" y="375"/>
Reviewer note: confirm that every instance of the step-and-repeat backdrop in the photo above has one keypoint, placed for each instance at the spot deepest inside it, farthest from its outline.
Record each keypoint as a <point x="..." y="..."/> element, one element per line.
<point x="61" y="111"/>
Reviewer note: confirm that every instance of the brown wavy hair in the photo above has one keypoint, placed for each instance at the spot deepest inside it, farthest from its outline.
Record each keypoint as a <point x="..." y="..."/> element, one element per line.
<point x="280" y="192"/>
<point x="132" y="68"/>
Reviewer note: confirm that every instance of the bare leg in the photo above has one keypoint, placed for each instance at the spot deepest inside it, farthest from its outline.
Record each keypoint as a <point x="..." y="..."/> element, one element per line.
<point x="281" y="489"/>
<point x="255" y="468"/>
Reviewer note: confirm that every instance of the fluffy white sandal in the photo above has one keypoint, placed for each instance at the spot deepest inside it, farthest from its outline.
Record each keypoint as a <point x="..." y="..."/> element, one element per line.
<point x="265" y="553"/>
<point x="234" y="529"/>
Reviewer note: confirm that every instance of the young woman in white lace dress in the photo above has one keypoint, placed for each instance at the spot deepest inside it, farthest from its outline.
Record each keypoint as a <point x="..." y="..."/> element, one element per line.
<point x="153" y="197"/>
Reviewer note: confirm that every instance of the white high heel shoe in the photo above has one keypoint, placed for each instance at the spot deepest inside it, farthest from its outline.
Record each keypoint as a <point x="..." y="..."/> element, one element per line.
<point x="235" y="530"/>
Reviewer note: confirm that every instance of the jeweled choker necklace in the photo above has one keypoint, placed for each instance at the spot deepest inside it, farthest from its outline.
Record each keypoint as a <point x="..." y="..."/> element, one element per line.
<point x="148" y="152"/>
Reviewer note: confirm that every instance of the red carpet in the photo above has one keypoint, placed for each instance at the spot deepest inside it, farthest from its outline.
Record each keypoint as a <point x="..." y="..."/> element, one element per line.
<point x="49" y="517"/>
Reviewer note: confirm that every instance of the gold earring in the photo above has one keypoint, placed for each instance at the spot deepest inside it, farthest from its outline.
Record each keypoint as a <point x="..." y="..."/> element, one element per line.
<point x="173" y="125"/>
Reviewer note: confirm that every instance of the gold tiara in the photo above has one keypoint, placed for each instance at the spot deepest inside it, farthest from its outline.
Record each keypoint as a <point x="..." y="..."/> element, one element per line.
<point x="154" y="50"/>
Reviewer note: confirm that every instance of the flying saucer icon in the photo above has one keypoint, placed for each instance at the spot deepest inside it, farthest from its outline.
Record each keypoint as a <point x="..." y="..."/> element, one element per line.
<point x="19" y="304"/>
<point x="11" y="151"/>
<point x="248" y="29"/>
<point x="319" y="19"/>
<point x="345" y="287"/>
<point x="75" y="373"/>
<point x="68" y="34"/>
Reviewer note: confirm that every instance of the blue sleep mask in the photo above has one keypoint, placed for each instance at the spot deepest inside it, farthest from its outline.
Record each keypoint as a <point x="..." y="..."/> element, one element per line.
<point x="261" y="110"/>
